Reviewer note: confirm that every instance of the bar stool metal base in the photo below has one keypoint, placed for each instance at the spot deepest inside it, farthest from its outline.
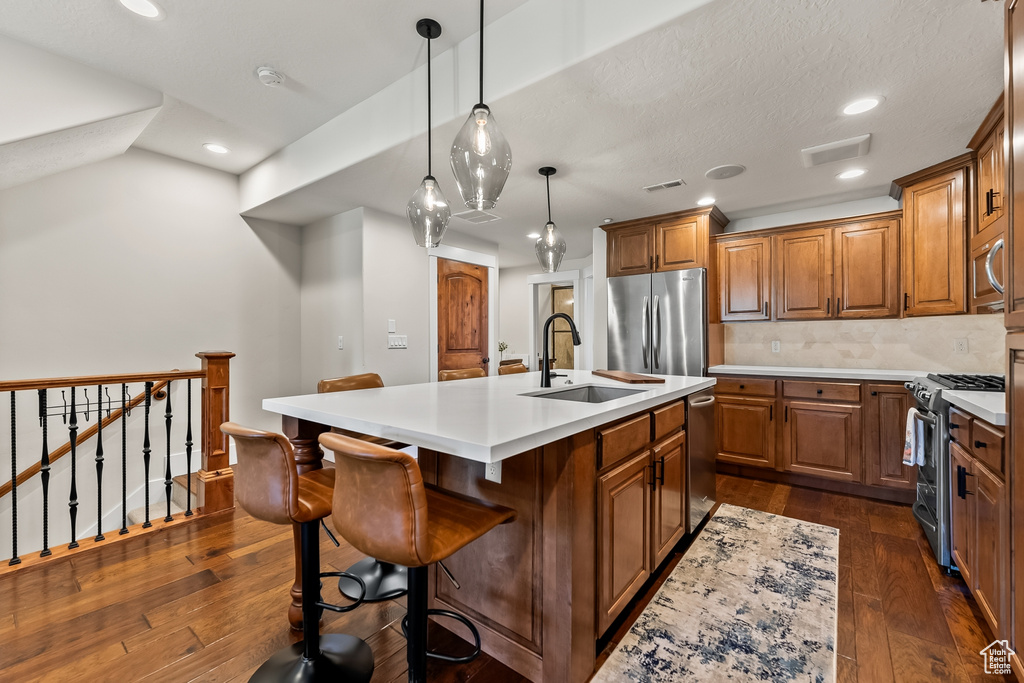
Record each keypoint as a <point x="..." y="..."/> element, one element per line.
<point x="384" y="581"/>
<point x="343" y="658"/>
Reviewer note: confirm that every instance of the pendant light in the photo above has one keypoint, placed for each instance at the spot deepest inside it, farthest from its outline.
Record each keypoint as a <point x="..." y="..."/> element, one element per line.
<point x="428" y="210"/>
<point x="481" y="158"/>
<point x="550" y="245"/>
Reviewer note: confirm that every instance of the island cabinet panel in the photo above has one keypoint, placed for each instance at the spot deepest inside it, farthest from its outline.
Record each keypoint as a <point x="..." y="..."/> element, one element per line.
<point x="962" y="510"/>
<point x="746" y="430"/>
<point x="631" y="251"/>
<point x="822" y="439"/>
<point x="624" y="439"/>
<point x="745" y="279"/>
<point x="680" y="244"/>
<point x="803" y="274"/>
<point x="669" y="521"/>
<point x="867" y="270"/>
<point x="934" y="234"/>
<point x="668" y="419"/>
<point x="624" y="523"/>
<point x="885" y="422"/>
<point x="992" y="541"/>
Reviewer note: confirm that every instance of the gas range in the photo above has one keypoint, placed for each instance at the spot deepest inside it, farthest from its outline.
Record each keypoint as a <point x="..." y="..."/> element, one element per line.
<point x="928" y="390"/>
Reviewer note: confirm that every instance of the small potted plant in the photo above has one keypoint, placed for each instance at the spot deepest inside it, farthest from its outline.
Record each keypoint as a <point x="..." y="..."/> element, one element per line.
<point x="502" y="347"/>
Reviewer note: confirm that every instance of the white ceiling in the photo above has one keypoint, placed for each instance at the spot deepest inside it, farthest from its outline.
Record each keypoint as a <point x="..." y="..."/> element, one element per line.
<point x="730" y="82"/>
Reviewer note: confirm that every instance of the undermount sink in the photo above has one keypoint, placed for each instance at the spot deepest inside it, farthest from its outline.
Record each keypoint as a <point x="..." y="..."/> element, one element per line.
<point x="586" y="393"/>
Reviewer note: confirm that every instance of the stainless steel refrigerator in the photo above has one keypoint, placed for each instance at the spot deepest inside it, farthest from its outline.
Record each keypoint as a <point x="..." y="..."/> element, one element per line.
<point x="657" y="323"/>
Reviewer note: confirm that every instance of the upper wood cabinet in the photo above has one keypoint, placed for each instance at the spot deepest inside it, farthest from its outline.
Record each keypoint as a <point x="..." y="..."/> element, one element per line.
<point x="745" y="278"/>
<point x="935" y="216"/>
<point x="803" y="274"/>
<point x="990" y="192"/>
<point x="867" y="269"/>
<point x="672" y="241"/>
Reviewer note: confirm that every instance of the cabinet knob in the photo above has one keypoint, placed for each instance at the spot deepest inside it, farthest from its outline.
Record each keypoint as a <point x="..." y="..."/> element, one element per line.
<point x="819" y="391"/>
<point x="980" y="444"/>
<point x="742" y="387"/>
<point x="954" y="425"/>
<point x="874" y="393"/>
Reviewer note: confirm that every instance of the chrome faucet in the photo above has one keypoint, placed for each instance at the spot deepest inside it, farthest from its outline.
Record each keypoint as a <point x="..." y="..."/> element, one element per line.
<point x="545" y="366"/>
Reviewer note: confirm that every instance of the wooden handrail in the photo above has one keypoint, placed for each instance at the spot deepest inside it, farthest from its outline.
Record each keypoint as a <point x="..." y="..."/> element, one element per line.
<point x="55" y="455"/>
<point x="93" y="380"/>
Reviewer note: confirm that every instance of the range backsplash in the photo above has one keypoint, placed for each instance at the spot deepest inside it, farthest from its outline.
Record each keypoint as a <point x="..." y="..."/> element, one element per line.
<point x="909" y="344"/>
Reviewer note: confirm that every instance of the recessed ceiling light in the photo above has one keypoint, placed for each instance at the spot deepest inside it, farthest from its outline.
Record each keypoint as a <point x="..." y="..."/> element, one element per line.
<point x="861" y="106"/>
<point x="144" y="8"/>
<point x="608" y="220"/>
<point x="534" y="235"/>
<point x="852" y="173"/>
<point x="705" y="201"/>
<point x="215" y="148"/>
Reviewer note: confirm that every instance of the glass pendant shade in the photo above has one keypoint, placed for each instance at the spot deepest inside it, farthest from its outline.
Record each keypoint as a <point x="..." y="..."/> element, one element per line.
<point x="481" y="160"/>
<point x="550" y="248"/>
<point x="428" y="213"/>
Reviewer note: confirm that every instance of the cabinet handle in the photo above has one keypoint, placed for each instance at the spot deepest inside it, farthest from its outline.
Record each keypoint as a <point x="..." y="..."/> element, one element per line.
<point x="654" y="482"/>
<point x="771" y="413"/>
<point x="661" y="477"/>
<point x="906" y="301"/>
<point x="960" y="482"/>
<point x="988" y="203"/>
<point x="838" y="301"/>
<point x="657" y="259"/>
<point x="828" y="306"/>
<point x="954" y="425"/>
<point x="994" y="195"/>
<point x="766" y="309"/>
<point x="786" y="416"/>
<point x="980" y="444"/>
<point x="652" y="263"/>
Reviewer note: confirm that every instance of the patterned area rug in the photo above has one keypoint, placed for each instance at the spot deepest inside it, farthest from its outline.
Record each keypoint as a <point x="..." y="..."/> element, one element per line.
<point x="753" y="599"/>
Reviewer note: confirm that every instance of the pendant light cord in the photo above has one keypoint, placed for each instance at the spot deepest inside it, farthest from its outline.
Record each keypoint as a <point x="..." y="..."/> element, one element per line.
<point x="547" y="179"/>
<point x="481" y="51"/>
<point x="429" y="131"/>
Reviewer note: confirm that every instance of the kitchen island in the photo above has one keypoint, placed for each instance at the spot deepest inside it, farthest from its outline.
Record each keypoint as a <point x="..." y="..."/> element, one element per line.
<point x="599" y="489"/>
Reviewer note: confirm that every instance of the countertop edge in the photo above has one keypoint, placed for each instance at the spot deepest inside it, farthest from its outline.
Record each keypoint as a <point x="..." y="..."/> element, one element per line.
<point x="864" y="374"/>
<point x="965" y="400"/>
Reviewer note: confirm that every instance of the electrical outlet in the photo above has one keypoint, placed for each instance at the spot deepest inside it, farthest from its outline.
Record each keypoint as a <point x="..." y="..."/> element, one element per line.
<point x="776" y="346"/>
<point x="341" y="343"/>
<point x="492" y="472"/>
<point x="960" y="345"/>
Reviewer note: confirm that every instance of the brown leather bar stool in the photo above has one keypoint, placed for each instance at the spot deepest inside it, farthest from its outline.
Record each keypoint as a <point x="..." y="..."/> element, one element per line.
<point x="269" y="487"/>
<point x="464" y="373"/>
<point x="512" y="369"/>
<point x="383" y="508"/>
<point x="381" y="580"/>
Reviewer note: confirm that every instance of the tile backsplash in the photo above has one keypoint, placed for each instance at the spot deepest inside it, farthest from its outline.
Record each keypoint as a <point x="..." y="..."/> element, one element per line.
<point x="909" y="344"/>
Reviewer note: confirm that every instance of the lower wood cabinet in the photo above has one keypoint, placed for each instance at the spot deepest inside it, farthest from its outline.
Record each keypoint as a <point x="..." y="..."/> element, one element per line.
<point x="962" y="511"/>
<point x="885" y="424"/>
<point x="822" y="439"/>
<point x="669" y="476"/>
<point x="746" y="430"/>
<point x="992" y="553"/>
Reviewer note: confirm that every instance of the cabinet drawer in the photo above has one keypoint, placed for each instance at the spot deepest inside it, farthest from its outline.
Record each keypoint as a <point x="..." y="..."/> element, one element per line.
<point x="668" y="419"/>
<point x="827" y="391"/>
<point x="960" y="427"/>
<point x="987" y="446"/>
<point x="745" y="387"/>
<point x="626" y="438"/>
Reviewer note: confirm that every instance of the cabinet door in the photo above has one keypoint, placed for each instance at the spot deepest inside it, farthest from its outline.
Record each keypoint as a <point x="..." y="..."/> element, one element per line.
<point x="803" y="275"/>
<point x="933" y="246"/>
<point x="745" y="278"/>
<point x="961" y="513"/>
<point x="990" y="180"/>
<point x="669" y="497"/>
<point x="822" y="439"/>
<point x="746" y="430"/>
<point x="885" y="422"/>
<point x="1014" y="191"/>
<point x="990" y="559"/>
<point x="681" y="244"/>
<point x="631" y="251"/>
<point x="624" y="503"/>
<point x="867" y="270"/>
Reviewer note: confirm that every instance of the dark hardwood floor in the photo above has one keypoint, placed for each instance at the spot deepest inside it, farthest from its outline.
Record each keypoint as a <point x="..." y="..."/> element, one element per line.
<point x="207" y="601"/>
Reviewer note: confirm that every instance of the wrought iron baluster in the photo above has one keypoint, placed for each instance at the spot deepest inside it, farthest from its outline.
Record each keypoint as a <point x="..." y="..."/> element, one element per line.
<point x="14" y="484"/>
<point x="99" y="464"/>
<point x="145" y="453"/>
<point x="124" y="460"/>
<point x="167" y="460"/>
<point x="73" y="496"/>
<point x="188" y="453"/>
<point x="44" y="474"/>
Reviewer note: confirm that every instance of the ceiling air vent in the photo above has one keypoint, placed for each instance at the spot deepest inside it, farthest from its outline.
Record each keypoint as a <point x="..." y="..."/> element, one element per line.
<point x="477" y="217"/>
<point x="836" y="151"/>
<point x="664" y="186"/>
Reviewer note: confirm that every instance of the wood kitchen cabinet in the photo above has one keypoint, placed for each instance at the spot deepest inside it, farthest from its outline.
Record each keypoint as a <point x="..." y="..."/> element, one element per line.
<point x="669" y="476"/>
<point x="962" y="510"/>
<point x="992" y="548"/>
<point x="745" y="421"/>
<point x="802" y="280"/>
<point x="885" y="421"/>
<point x="822" y="439"/>
<point x="631" y="250"/>
<point x="745" y="274"/>
<point x="936" y="205"/>
<point x="680" y="244"/>
<point x="867" y="269"/>
<point x="671" y="241"/>
<point x="988" y="229"/>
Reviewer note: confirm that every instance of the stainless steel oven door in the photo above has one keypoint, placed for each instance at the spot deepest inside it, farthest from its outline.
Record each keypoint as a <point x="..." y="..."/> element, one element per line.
<point x="931" y="508"/>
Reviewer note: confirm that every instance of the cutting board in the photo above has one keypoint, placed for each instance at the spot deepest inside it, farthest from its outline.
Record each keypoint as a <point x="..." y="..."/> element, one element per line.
<point x="628" y="377"/>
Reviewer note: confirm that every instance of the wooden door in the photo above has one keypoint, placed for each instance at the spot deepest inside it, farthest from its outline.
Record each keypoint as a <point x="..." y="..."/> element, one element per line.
<point x="822" y="439"/>
<point x="624" y="527"/>
<point x="461" y="315"/>
<point x="885" y="422"/>
<point x="631" y="250"/>
<point x="934" y="234"/>
<point x="746" y="430"/>
<point x="867" y="270"/>
<point x="669" y="522"/>
<point x="990" y="559"/>
<point x="961" y="513"/>
<point x="680" y="244"/>
<point x="745" y="278"/>
<point x="803" y="274"/>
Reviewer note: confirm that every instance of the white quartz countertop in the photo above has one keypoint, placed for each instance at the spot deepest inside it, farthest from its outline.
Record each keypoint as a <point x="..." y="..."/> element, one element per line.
<point x="990" y="406"/>
<point x="819" y="373"/>
<point x="485" y="419"/>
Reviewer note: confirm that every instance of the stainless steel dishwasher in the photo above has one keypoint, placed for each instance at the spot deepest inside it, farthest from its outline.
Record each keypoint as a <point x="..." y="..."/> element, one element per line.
<point x="700" y="456"/>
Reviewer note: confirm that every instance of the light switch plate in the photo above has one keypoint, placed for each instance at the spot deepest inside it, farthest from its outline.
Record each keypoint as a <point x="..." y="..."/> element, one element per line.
<point x="341" y="343"/>
<point x="398" y="341"/>
<point x="392" y="328"/>
<point x="492" y="472"/>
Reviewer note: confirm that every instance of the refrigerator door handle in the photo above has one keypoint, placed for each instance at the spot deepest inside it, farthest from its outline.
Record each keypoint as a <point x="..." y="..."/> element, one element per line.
<point x="644" y="327"/>
<point x="656" y="336"/>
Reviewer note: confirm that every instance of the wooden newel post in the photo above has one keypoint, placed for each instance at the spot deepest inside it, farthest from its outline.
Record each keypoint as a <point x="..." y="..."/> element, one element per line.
<point x="216" y="479"/>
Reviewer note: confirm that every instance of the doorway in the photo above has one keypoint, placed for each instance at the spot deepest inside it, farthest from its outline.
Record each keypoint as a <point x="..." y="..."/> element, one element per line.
<point x="489" y="296"/>
<point x="462" y="302"/>
<point x="562" y="352"/>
